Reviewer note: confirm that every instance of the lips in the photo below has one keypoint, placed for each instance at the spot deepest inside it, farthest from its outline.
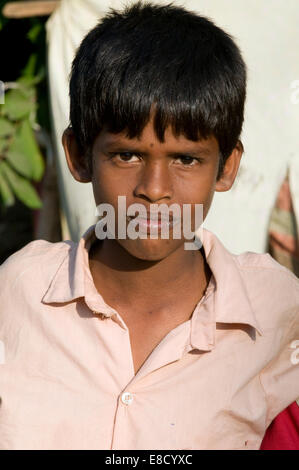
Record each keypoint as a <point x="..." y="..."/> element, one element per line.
<point x="155" y="216"/>
<point x="154" y="222"/>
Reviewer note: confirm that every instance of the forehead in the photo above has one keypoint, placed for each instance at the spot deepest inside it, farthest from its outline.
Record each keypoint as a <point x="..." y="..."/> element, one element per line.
<point x="148" y="141"/>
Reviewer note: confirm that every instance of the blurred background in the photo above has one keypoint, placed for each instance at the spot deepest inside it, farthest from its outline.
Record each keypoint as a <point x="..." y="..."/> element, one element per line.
<point x="39" y="198"/>
<point x="29" y="205"/>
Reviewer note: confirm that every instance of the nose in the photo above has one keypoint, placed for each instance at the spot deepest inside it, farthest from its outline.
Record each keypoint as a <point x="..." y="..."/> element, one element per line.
<point x="154" y="183"/>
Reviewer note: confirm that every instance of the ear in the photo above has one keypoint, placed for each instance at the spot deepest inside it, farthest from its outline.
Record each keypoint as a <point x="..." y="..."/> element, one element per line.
<point x="230" y="169"/>
<point x="77" y="162"/>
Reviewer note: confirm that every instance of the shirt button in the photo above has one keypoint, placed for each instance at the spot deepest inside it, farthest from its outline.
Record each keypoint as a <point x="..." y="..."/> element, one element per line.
<point x="127" y="398"/>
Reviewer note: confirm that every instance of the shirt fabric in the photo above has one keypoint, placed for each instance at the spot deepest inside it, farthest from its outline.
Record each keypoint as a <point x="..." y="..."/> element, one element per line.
<point x="216" y="381"/>
<point x="283" y="432"/>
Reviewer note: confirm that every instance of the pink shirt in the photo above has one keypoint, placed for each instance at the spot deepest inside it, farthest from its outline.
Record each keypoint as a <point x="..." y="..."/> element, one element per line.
<point x="214" y="382"/>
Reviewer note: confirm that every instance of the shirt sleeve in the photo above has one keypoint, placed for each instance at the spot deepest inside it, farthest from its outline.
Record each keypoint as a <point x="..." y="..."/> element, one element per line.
<point x="280" y="379"/>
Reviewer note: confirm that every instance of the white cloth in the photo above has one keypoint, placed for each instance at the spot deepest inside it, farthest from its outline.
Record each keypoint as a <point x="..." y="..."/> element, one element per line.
<point x="268" y="35"/>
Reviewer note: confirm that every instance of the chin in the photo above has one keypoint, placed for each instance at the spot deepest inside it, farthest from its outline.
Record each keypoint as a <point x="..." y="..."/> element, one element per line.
<point x="151" y="250"/>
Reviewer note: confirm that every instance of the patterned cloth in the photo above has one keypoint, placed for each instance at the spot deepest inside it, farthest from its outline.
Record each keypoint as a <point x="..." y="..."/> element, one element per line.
<point x="283" y="236"/>
<point x="283" y="433"/>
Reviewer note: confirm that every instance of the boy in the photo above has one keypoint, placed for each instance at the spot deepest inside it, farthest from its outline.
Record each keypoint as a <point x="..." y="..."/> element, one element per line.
<point x="139" y="343"/>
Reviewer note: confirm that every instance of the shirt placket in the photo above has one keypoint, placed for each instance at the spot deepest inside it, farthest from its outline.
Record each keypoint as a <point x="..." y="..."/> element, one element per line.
<point x="171" y="349"/>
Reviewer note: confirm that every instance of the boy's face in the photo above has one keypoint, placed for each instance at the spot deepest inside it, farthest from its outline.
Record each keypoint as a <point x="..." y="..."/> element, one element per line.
<point x="146" y="171"/>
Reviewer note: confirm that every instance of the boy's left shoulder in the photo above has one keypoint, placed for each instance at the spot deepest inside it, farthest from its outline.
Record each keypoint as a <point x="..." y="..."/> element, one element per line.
<point x="250" y="259"/>
<point x="273" y="289"/>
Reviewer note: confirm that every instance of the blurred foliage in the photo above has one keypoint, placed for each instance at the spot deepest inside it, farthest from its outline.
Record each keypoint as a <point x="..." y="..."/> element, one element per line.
<point x="26" y="108"/>
<point x="20" y="157"/>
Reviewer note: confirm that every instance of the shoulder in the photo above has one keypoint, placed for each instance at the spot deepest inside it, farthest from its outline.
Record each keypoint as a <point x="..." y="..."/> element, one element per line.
<point x="263" y="266"/>
<point x="263" y="262"/>
<point x="36" y="252"/>
<point x="272" y="289"/>
<point x="34" y="265"/>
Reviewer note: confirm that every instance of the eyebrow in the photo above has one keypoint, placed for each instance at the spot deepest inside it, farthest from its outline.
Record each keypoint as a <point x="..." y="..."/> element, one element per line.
<point x="130" y="147"/>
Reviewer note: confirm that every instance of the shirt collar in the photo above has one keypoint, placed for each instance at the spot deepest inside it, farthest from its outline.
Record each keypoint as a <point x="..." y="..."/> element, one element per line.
<point x="230" y="303"/>
<point x="231" y="300"/>
<point x="73" y="278"/>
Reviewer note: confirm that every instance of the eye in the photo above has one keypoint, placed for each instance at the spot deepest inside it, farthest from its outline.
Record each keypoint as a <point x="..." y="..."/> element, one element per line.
<point x="124" y="157"/>
<point x="187" y="160"/>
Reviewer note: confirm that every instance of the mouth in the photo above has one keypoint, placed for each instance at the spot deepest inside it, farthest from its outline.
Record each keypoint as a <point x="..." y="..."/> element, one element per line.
<point x="154" y="222"/>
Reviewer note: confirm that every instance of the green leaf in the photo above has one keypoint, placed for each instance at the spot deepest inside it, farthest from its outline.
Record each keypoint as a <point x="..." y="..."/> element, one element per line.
<point x="24" y="154"/>
<point x="28" y="82"/>
<point x="3" y="146"/>
<point x="34" y="32"/>
<point x="19" y="163"/>
<point x="17" y="105"/>
<point x="27" y="88"/>
<point x="6" y="127"/>
<point x="21" y="187"/>
<point x="29" y="69"/>
<point x="5" y="191"/>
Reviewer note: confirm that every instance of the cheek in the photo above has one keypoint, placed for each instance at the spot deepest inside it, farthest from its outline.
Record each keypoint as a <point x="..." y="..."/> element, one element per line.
<point x="200" y="191"/>
<point x="102" y="191"/>
<point x="209" y="195"/>
<point x="107" y="186"/>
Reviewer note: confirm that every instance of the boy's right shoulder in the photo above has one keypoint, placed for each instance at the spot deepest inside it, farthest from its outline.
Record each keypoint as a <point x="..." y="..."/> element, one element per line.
<point x="39" y="259"/>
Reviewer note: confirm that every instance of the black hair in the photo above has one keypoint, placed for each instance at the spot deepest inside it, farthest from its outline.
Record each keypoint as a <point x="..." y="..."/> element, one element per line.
<point x="162" y="55"/>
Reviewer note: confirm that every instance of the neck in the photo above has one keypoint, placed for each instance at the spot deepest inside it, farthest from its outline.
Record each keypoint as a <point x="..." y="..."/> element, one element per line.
<point x="118" y="275"/>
